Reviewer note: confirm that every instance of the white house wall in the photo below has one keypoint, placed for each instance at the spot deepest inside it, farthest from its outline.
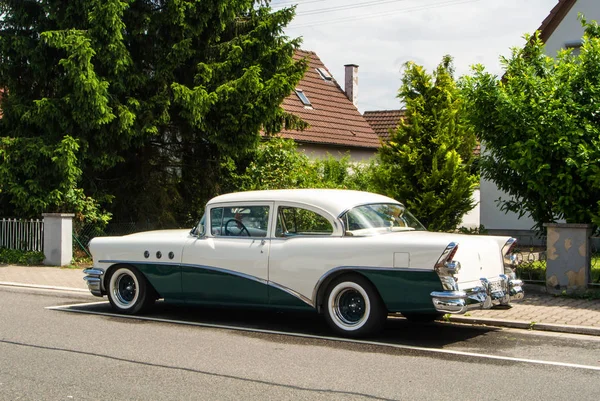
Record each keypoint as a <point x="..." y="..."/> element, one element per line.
<point x="570" y="31"/>
<point x="315" y="151"/>
<point x="472" y="219"/>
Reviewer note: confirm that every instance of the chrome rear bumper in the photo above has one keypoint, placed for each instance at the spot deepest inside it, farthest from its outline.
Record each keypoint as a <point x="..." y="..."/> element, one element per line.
<point x="490" y="293"/>
<point x="93" y="279"/>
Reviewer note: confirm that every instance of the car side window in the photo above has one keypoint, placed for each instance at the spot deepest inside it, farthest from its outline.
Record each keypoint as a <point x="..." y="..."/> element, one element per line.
<point x="292" y="221"/>
<point x="239" y="221"/>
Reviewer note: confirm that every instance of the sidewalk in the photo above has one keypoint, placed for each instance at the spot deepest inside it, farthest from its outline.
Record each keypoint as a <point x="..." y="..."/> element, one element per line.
<point x="538" y="311"/>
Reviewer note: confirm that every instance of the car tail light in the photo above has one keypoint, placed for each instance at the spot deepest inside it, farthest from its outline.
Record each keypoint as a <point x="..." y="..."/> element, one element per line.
<point x="446" y="259"/>
<point x="509" y="258"/>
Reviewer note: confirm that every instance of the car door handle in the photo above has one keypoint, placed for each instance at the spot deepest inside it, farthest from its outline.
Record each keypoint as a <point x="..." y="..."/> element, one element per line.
<point x="262" y="242"/>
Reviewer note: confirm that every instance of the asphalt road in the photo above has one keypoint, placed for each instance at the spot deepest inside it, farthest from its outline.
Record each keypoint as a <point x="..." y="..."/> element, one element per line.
<point x="178" y="353"/>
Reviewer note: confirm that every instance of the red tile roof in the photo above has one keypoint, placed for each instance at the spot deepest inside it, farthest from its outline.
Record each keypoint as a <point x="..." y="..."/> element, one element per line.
<point x="555" y="17"/>
<point x="384" y="121"/>
<point x="333" y="119"/>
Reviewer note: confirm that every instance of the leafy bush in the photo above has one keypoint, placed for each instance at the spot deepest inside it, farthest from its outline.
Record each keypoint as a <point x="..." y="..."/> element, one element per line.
<point x="481" y="230"/>
<point x="17" y="257"/>
<point x="539" y="123"/>
<point x="277" y="164"/>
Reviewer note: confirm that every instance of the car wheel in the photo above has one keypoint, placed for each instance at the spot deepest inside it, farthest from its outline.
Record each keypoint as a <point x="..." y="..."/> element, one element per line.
<point x="128" y="290"/>
<point x="353" y="307"/>
<point x="422" y="317"/>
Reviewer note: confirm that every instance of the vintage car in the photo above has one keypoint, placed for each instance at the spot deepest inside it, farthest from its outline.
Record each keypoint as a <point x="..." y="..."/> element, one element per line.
<point x="353" y="256"/>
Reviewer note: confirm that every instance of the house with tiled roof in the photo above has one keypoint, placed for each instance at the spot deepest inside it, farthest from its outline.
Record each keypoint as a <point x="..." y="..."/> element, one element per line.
<point x="384" y="122"/>
<point x="336" y="127"/>
<point x="561" y="29"/>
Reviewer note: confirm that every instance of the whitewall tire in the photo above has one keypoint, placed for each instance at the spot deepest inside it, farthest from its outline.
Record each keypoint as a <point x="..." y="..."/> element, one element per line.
<point x="128" y="290"/>
<point x="353" y="307"/>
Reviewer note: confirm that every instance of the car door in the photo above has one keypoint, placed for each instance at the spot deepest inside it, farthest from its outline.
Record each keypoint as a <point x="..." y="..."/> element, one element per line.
<point x="228" y="264"/>
<point x="305" y="246"/>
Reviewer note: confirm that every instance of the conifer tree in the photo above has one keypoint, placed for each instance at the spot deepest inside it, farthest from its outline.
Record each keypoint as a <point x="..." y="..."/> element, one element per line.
<point x="135" y="100"/>
<point x="427" y="163"/>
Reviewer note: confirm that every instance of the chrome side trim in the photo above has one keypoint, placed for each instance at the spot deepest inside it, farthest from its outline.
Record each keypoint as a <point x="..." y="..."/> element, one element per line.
<point x="292" y="293"/>
<point x="143" y="262"/>
<point x="253" y="278"/>
<point x="341" y="268"/>
<point x="175" y="264"/>
<point x="225" y="271"/>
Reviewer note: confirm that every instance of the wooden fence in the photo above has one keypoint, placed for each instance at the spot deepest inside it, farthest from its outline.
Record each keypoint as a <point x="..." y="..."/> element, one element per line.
<point x="21" y="234"/>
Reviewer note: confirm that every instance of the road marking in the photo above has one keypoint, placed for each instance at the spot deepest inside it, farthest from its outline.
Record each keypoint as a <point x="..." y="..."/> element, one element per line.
<point x="67" y="308"/>
<point x="43" y="287"/>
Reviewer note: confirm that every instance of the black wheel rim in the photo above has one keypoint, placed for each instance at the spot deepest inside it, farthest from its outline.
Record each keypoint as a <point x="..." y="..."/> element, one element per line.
<point x="126" y="288"/>
<point x="350" y="306"/>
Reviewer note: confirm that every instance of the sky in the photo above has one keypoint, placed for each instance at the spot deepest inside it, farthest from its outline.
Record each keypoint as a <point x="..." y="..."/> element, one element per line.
<point x="382" y="35"/>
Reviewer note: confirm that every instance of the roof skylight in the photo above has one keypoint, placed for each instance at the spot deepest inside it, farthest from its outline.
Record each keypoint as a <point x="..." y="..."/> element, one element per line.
<point x="324" y="74"/>
<point x="303" y="98"/>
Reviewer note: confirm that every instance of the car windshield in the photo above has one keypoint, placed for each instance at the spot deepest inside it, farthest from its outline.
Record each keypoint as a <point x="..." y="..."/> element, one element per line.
<point x="379" y="218"/>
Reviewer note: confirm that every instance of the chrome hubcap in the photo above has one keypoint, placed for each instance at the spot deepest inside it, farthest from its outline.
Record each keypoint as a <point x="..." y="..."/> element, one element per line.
<point x="350" y="306"/>
<point x="125" y="289"/>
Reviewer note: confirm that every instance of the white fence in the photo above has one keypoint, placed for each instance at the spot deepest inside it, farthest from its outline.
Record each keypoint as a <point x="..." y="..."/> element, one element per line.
<point x="24" y="235"/>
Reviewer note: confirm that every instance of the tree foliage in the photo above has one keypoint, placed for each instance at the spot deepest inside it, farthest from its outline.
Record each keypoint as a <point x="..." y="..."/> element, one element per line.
<point x="541" y="127"/>
<point x="137" y="99"/>
<point x="278" y="164"/>
<point x="427" y="164"/>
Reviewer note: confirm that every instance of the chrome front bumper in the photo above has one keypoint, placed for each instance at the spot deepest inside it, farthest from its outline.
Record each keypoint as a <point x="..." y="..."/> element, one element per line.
<point x="93" y="279"/>
<point x="490" y="293"/>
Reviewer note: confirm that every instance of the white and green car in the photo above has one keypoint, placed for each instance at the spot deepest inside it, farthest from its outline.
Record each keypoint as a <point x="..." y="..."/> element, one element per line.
<point x="353" y="256"/>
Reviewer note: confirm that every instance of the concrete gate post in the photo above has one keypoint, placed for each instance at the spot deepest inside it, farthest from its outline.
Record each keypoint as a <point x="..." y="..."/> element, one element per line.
<point x="568" y="257"/>
<point x="58" y="238"/>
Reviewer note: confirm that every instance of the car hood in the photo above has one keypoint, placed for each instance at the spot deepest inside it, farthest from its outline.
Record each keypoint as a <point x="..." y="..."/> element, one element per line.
<point x="133" y="247"/>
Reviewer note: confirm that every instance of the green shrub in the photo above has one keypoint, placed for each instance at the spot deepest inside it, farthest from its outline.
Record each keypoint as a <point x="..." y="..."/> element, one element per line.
<point x="277" y="164"/>
<point x="17" y="257"/>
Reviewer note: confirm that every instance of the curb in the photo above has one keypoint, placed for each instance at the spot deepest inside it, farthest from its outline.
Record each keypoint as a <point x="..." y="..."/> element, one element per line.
<point x="516" y="324"/>
<point x="44" y="287"/>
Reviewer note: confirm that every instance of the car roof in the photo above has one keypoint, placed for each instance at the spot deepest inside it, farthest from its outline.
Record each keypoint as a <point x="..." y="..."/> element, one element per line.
<point x="335" y="201"/>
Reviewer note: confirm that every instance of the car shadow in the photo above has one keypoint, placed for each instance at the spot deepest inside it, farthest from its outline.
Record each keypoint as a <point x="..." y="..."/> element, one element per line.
<point x="397" y="331"/>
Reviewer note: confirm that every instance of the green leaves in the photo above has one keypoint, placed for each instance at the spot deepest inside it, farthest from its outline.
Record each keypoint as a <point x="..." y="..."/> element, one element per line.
<point x="43" y="177"/>
<point x="277" y="164"/>
<point x="157" y="96"/>
<point x="540" y="125"/>
<point x="427" y="163"/>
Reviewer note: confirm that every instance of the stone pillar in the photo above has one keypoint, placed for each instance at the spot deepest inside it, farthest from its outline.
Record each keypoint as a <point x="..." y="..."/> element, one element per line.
<point x="58" y="238"/>
<point x="569" y="256"/>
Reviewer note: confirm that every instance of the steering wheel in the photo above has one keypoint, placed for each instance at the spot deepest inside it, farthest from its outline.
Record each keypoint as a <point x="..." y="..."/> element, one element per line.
<point x="240" y="225"/>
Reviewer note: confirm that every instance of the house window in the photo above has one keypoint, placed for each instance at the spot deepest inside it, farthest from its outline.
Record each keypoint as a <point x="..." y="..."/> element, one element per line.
<point x="324" y="74"/>
<point x="575" y="46"/>
<point x="303" y="98"/>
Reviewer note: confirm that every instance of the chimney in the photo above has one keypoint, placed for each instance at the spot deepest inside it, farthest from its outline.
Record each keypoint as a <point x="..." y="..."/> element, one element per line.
<point x="351" y="84"/>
